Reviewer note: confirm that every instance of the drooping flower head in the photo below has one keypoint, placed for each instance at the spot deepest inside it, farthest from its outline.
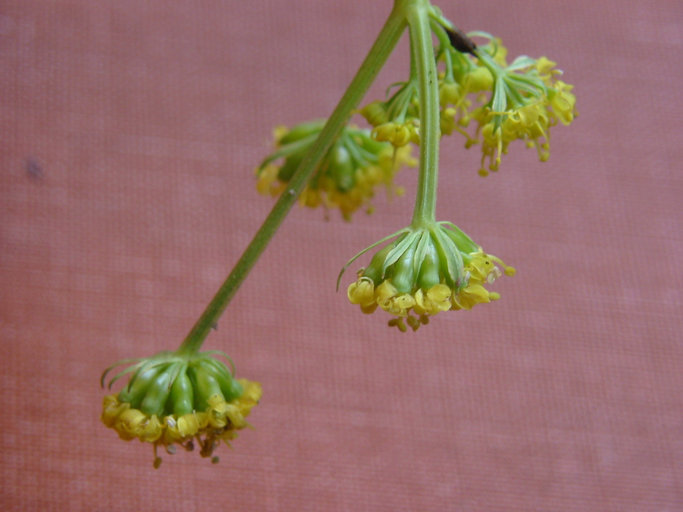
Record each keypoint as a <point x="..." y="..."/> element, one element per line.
<point x="519" y="101"/>
<point x="176" y="399"/>
<point x="346" y="178"/>
<point x="423" y="271"/>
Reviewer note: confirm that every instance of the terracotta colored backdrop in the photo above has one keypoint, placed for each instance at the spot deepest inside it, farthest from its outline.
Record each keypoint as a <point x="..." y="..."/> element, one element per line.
<point x="128" y="135"/>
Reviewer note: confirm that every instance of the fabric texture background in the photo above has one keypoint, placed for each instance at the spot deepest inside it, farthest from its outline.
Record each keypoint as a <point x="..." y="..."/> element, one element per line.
<point x="129" y="132"/>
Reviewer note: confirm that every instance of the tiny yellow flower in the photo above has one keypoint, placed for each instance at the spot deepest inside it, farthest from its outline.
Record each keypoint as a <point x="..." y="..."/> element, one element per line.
<point x="545" y="68"/>
<point x="450" y="93"/>
<point x="362" y="292"/>
<point x="471" y="295"/>
<point x="563" y="102"/>
<point x="375" y="113"/>
<point x="398" y="134"/>
<point x="479" y="79"/>
<point x="395" y="120"/>
<point x="267" y="183"/>
<point x="433" y="301"/>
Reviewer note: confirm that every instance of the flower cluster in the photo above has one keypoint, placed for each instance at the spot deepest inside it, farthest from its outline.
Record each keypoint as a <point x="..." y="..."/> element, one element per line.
<point x="425" y="271"/>
<point x="346" y="178"/>
<point x="395" y="120"/>
<point x="186" y="397"/>
<point x="177" y="399"/>
<point x="522" y="100"/>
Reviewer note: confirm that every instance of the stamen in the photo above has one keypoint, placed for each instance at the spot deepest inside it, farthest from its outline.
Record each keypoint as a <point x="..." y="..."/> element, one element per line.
<point x="413" y="322"/>
<point x="398" y="322"/>
<point x="493" y="275"/>
<point x="157" y="459"/>
<point x="509" y="271"/>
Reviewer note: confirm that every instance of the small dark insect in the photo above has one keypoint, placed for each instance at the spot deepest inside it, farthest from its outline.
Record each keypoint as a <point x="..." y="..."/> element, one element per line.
<point x="460" y="41"/>
<point x="33" y="168"/>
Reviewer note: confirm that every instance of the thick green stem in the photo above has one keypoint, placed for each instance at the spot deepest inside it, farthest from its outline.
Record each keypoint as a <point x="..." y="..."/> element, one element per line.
<point x="423" y="55"/>
<point x="377" y="56"/>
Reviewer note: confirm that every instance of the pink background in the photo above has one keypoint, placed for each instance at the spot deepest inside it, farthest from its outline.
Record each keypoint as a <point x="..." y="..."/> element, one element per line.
<point x="129" y="131"/>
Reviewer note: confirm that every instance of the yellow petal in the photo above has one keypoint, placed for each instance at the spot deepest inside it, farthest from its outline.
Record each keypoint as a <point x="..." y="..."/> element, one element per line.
<point x="111" y="409"/>
<point x="361" y="292"/>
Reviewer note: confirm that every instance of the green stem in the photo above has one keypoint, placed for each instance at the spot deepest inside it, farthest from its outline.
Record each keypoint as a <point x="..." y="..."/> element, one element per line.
<point x="423" y="53"/>
<point x="377" y="56"/>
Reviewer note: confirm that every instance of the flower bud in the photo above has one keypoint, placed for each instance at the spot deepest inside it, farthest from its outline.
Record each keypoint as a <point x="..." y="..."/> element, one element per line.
<point x="478" y="79"/>
<point x="341" y="168"/>
<point x="375" y="113"/>
<point x="157" y="393"/>
<point x="182" y="394"/>
<point x="450" y="93"/>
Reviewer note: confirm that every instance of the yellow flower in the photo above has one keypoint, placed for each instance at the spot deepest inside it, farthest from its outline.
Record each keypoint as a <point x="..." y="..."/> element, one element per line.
<point x="362" y="292"/>
<point x="563" y="102"/>
<point x="393" y="301"/>
<point x="174" y="399"/>
<point x="398" y="134"/>
<point x="433" y="301"/>
<point x="479" y="80"/>
<point x="483" y="267"/>
<point x="395" y="120"/>
<point x="375" y="113"/>
<point x="132" y="423"/>
<point x="267" y="183"/>
<point x="450" y="93"/>
<point x="545" y="68"/>
<point x="530" y="122"/>
<point x="471" y="295"/>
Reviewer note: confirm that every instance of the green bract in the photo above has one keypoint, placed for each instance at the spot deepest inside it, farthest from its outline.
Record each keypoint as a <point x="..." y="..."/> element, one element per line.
<point x="420" y="258"/>
<point x="353" y="150"/>
<point x="171" y="383"/>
